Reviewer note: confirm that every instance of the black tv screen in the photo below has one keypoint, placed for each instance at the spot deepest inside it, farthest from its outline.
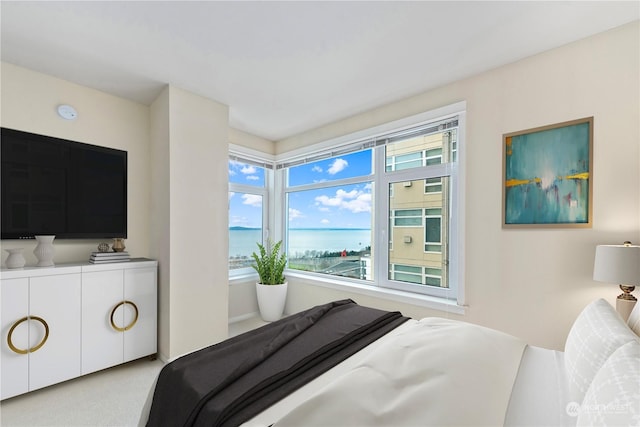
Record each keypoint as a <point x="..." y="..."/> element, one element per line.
<point x="52" y="186"/>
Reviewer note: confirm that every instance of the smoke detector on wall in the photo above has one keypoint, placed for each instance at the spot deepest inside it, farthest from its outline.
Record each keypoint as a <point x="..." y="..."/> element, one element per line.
<point x="67" y="112"/>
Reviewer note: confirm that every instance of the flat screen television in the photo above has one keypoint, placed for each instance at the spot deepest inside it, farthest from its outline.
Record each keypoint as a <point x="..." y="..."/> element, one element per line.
<point x="52" y="186"/>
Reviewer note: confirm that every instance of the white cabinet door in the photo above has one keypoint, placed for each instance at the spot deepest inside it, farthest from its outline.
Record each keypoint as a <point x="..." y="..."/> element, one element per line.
<point x="55" y="300"/>
<point x="140" y="289"/>
<point x="65" y="321"/>
<point x="102" y="345"/>
<point x="14" y="296"/>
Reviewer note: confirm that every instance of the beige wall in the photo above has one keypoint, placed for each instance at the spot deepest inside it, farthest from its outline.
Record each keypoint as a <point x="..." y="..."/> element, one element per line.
<point x="159" y="222"/>
<point x="189" y="133"/>
<point x="29" y="101"/>
<point x="530" y="283"/>
<point x="253" y="142"/>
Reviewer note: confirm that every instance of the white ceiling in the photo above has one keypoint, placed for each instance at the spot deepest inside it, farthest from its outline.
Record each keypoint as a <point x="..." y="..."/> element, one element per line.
<point x="286" y="67"/>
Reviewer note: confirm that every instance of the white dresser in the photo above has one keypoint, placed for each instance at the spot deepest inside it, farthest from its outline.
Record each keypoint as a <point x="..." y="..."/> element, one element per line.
<point x="65" y="321"/>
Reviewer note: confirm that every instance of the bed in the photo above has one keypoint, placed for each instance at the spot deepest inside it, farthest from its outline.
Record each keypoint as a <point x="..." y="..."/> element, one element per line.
<point x="340" y="364"/>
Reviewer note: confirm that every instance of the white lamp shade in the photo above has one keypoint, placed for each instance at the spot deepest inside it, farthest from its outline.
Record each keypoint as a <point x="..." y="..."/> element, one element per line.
<point x="618" y="264"/>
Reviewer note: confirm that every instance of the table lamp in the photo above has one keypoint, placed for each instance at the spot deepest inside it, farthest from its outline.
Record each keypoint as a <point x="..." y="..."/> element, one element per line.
<point x="619" y="264"/>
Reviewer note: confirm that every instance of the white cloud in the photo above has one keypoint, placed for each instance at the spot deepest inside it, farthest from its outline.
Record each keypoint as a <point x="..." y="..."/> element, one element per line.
<point x="248" y="169"/>
<point x="337" y="166"/>
<point x="324" y="221"/>
<point x="252" y="178"/>
<point x="294" y="214"/>
<point x="254" y="200"/>
<point x="362" y="203"/>
<point x="328" y="201"/>
<point x="316" y="168"/>
<point x="354" y="201"/>
<point x="231" y="194"/>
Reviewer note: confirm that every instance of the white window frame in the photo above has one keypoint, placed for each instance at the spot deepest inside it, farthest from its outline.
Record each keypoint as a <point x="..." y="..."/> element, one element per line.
<point x="245" y="155"/>
<point x="450" y="299"/>
<point x="381" y="264"/>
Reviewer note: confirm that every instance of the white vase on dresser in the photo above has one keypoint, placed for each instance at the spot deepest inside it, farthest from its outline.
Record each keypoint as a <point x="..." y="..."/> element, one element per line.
<point x="44" y="251"/>
<point x="15" y="258"/>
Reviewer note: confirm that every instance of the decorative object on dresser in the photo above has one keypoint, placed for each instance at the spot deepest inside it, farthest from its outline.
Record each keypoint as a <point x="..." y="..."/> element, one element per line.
<point x="44" y="251"/>
<point x="619" y="264"/>
<point x="118" y="244"/>
<point x="15" y="258"/>
<point x="271" y="289"/>
<point x="103" y="247"/>
<point x="106" y="257"/>
<point x="55" y="317"/>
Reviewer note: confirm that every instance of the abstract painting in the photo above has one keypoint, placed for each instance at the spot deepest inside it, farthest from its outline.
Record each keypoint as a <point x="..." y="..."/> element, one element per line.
<point x="548" y="176"/>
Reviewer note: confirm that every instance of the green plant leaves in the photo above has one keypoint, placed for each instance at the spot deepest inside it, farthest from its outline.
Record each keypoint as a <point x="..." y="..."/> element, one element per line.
<point x="270" y="263"/>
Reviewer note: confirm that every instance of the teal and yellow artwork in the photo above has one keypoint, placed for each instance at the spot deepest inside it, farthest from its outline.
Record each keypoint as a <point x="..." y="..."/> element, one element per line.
<point x="547" y="175"/>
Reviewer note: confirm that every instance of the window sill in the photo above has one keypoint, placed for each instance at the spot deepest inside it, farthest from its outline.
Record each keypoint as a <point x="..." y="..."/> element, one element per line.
<point x="427" y="301"/>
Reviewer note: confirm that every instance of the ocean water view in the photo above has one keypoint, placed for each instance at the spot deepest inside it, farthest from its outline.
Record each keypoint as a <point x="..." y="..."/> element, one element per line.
<point x="302" y="241"/>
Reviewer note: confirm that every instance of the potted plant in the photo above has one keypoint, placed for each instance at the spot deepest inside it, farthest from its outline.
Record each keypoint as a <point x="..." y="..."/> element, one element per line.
<point x="271" y="288"/>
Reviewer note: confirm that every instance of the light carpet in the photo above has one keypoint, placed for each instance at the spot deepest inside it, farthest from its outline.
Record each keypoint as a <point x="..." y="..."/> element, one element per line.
<point x="113" y="397"/>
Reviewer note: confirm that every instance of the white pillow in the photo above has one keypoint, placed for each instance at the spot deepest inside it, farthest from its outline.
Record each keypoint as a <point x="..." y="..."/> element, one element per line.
<point x="634" y="319"/>
<point x="613" y="398"/>
<point x="595" y="335"/>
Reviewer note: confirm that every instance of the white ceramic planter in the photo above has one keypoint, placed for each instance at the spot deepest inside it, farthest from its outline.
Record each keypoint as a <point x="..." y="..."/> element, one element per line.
<point x="271" y="300"/>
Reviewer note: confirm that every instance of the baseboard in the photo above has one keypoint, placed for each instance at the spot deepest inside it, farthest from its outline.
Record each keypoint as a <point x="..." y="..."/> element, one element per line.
<point x="243" y="317"/>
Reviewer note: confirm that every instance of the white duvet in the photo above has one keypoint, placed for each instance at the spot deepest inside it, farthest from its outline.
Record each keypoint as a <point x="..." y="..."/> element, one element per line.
<point x="434" y="372"/>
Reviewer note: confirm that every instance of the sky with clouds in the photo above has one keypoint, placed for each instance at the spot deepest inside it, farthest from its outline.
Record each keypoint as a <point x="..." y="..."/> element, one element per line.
<point x="343" y="206"/>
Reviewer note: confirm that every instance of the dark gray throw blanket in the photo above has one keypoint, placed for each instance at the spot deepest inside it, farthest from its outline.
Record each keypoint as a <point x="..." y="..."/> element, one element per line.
<point x="231" y="382"/>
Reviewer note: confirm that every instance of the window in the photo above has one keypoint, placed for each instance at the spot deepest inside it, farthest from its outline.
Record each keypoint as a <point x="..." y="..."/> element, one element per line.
<point x="416" y="274"/>
<point x="328" y="206"/>
<point x="433" y="230"/>
<point x="422" y="199"/>
<point x="407" y="218"/>
<point x="335" y="203"/>
<point x="433" y="185"/>
<point x="406" y="273"/>
<point x="247" y="212"/>
<point x="378" y="208"/>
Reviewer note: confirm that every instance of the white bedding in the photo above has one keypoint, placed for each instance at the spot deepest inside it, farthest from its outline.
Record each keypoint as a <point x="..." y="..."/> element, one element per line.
<point x="284" y="406"/>
<point x="444" y="372"/>
<point x="535" y="400"/>
<point x="434" y="372"/>
<point x="540" y="395"/>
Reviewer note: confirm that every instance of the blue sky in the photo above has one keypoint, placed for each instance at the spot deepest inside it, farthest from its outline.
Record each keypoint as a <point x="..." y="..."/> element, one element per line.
<point x="345" y="206"/>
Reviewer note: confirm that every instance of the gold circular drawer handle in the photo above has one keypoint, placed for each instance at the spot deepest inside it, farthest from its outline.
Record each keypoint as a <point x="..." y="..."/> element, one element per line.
<point x="32" y="349"/>
<point x="130" y="325"/>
